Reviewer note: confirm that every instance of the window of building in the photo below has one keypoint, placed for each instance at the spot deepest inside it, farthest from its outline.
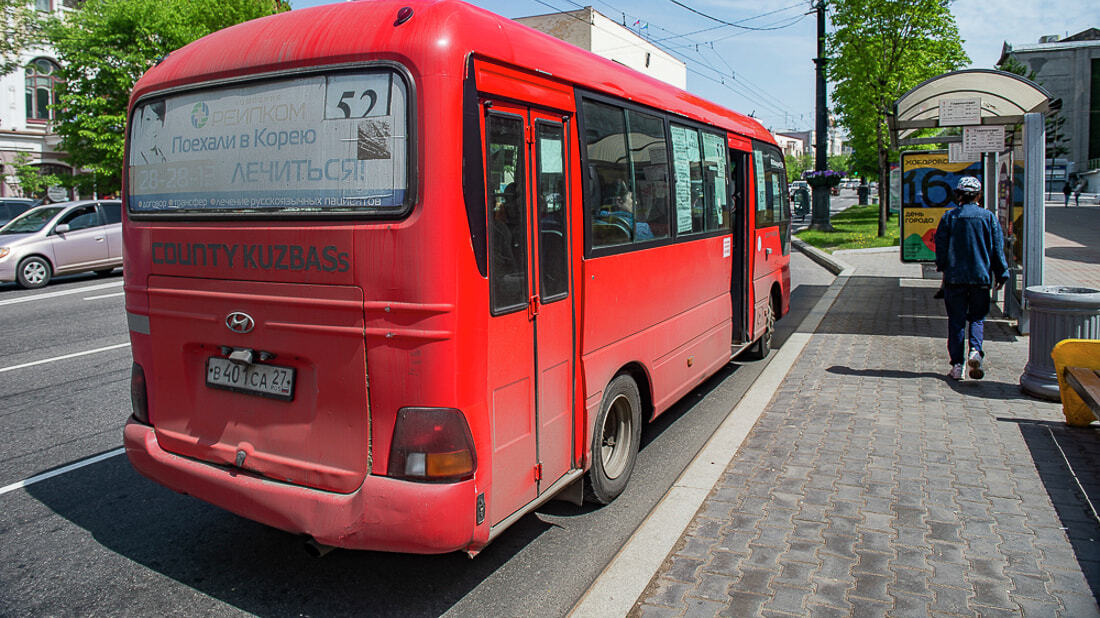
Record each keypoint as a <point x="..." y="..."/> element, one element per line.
<point x="43" y="5"/>
<point x="41" y="89"/>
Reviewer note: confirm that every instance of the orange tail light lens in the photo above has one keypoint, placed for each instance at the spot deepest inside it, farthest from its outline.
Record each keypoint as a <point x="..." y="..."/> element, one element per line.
<point x="433" y="445"/>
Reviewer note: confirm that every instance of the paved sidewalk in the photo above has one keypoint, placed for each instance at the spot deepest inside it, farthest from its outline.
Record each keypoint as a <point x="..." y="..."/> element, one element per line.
<point x="873" y="485"/>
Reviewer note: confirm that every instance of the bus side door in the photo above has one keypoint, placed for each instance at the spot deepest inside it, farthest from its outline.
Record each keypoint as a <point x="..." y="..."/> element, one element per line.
<point x="530" y="364"/>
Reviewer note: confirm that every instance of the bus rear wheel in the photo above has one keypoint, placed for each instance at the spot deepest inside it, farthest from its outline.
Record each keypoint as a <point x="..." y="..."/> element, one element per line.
<point x="763" y="345"/>
<point x="615" y="441"/>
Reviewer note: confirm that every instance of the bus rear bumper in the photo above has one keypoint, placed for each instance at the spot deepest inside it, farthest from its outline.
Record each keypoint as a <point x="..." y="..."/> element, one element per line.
<point x="384" y="514"/>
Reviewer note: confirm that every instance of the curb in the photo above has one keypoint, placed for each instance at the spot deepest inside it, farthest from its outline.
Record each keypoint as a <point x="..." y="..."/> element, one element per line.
<point x="623" y="581"/>
<point x="830" y="263"/>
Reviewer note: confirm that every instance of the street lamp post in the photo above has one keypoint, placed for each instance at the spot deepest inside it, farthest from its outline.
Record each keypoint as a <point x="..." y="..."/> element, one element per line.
<point x="820" y="219"/>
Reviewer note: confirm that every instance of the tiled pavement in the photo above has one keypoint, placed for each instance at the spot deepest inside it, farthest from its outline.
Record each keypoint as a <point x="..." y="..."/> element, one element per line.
<point x="872" y="485"/>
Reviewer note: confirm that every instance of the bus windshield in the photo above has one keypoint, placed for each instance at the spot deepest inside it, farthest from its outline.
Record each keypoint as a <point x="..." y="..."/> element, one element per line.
<point x="334" y="143"/>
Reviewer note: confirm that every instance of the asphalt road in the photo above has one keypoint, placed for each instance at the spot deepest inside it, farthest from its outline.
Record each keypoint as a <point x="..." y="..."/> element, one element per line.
<point x="102" y="540"/>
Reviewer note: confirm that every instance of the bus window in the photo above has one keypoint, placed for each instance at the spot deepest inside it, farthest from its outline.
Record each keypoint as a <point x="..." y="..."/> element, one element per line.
<point x="508" y="214"/>
<point x="714" y="161"/>
<point x="319" y="144"/>
<point x="553" y="267"/>
<point x="772" y="200"/>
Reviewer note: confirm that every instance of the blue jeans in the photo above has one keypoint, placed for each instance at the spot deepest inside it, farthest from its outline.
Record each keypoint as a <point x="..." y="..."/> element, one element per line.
<point x="965" y="303"/>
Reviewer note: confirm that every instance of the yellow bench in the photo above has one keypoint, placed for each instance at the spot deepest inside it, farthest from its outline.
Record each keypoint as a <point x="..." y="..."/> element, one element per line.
<point x="1077" y="363"/>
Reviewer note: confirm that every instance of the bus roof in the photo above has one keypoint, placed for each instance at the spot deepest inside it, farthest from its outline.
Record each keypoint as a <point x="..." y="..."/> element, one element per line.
<point x="437" y="39"/>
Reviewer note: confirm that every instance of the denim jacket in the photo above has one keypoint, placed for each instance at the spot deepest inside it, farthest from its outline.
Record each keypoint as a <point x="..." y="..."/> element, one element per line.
<point x="970" y="247"/>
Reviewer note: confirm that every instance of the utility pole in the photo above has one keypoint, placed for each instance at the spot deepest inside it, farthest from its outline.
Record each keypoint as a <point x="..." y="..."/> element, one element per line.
<point x="820" y="217"/>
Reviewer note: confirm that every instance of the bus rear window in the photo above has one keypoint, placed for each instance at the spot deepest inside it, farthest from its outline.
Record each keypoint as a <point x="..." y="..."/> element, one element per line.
<point x="317" y="144"/>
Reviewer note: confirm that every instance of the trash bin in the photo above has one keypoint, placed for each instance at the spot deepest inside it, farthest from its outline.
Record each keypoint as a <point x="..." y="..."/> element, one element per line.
<point x="861" y="192"/>
<point x="1057" y="313"/>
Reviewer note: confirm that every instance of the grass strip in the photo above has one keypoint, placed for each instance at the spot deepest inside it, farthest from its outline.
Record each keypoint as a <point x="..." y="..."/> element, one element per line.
<point x="854" y="228"/>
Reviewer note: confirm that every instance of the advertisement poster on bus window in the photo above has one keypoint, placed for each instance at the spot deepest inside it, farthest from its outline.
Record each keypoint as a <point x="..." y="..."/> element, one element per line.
<point x="928" y="183"/>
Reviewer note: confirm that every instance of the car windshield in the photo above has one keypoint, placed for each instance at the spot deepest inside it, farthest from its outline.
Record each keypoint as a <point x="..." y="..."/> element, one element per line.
<point x="30" y="221"/>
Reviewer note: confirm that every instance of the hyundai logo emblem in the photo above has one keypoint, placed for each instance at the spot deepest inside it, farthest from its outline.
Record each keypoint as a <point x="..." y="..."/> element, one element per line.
<point x="240" y="322"/>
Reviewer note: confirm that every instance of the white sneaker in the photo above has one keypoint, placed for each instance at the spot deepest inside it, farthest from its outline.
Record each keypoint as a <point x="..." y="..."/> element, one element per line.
<point x="975" y="364"/>
<point x="956" y="372"/>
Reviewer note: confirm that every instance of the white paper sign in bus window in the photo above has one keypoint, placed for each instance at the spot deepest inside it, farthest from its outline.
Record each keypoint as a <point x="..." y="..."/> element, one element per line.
<point x="309" y="144"/>
<point x="685" y="152"/>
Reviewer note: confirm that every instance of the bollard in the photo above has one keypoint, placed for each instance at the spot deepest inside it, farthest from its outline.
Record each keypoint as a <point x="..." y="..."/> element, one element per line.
<point x="1057" y="313"/>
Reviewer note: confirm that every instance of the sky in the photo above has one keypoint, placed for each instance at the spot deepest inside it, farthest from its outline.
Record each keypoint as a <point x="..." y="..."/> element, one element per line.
<point x="770" y="73"/>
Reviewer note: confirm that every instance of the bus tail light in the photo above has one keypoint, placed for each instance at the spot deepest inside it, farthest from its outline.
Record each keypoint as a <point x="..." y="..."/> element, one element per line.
<point x="432" y="444"/>
<point x="139" y="398"/>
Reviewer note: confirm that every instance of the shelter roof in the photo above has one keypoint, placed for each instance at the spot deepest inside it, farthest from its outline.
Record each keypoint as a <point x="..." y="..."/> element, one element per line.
<point x="1005" y="98"/>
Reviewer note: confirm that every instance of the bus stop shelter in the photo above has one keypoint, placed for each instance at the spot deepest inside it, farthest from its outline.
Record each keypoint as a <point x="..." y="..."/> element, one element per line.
<point x="996" y="118"/>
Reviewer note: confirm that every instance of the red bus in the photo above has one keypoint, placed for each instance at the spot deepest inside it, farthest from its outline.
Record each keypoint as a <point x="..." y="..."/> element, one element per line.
<point x="397" y="273"/>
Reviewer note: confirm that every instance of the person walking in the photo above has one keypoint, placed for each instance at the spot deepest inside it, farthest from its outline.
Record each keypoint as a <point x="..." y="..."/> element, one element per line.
<point x="970" y="254"/>
<point x="1066" y="190"/>
<point x="1077" y="193"/>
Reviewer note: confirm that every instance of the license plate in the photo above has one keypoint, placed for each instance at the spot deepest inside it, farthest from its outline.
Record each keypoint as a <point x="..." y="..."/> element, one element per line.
<point x="264" y="380"/>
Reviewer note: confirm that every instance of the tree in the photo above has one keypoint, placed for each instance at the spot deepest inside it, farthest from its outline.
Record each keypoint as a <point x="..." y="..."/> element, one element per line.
<point x="880" y="49"/>
<point x="104" y="48"/>
<point x="798" y="164"/>
<point x="32" y="182"/>
<point x="22" y="29"/>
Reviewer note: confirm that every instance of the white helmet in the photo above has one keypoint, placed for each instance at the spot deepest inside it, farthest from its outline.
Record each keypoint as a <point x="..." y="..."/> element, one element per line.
<point x="969" y="184"/>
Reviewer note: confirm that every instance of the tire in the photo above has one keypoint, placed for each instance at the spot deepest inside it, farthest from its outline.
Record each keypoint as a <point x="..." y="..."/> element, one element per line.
<point x="763" y="345"/>
<point x="615" y="441"/>
<point x="33" y="272"/>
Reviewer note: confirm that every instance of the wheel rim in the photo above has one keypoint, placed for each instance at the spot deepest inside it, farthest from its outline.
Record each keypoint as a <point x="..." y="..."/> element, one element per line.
<point x="618" y="432"/>
<point x="34" y="272"/>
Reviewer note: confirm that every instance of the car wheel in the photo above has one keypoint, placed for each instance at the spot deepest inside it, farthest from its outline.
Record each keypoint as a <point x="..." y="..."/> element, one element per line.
<point x="615" y="442"/>
<point x="33" y="272"/>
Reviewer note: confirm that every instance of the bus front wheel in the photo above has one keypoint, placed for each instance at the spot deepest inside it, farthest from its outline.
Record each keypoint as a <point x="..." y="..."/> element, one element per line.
<point x="615" y="441"/>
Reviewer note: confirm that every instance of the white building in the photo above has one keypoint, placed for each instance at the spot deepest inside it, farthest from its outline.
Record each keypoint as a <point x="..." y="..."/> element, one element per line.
<point x="590" y="30"/>
<point x="791" y="146"/>
<point x="26" y="119"/>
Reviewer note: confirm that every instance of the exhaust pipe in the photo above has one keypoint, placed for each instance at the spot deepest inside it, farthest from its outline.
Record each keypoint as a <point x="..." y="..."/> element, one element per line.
<point x="315" y="549"/>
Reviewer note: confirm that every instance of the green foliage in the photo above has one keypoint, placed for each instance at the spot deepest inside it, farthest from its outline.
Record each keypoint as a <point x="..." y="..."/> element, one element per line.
<point x="104" y="48"/>
<point x="797" y="164"/>
<point x="22" y="29"/>
<point x="32" y="182"/>
<point x="842" y="163"/>
<point x="879" y="49"/>
<point x="854" y="228"/>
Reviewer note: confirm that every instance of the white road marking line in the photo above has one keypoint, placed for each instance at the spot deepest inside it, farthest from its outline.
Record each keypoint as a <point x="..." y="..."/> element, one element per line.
<point x="57" y="358"/>
<point x="81" y="290"/>
<point x="104" y="296"/>
<point x="69" y="468"/>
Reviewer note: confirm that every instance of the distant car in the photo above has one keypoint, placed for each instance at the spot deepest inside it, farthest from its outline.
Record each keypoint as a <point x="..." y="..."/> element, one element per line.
<point x="12" y="207"/>
<point x="64" y="238"/>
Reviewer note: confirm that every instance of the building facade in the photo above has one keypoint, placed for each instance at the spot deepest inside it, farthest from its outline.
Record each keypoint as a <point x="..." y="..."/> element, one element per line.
<point x="592" y="31"/>
<point x="26" y="112"/>
<point x="1069" y="68"/>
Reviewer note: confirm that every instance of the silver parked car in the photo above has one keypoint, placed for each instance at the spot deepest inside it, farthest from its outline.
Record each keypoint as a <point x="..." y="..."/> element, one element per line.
<point x="59" y="239"/>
